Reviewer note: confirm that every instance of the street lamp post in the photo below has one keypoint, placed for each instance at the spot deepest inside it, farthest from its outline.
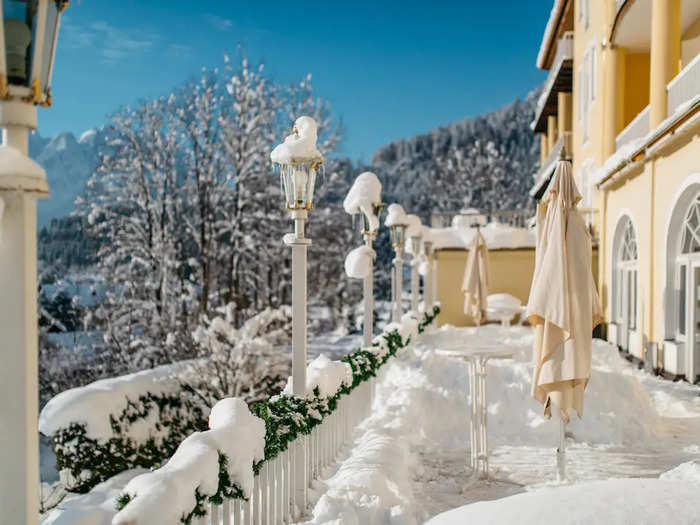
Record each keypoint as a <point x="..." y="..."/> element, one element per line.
<point x="396" y="221"/>
<point x="369" y="235"/>
<point x="28" y="35"/>
<point x="428" y="287"/>
<point x="415" y="234"/>
<point x="298" y="161"/>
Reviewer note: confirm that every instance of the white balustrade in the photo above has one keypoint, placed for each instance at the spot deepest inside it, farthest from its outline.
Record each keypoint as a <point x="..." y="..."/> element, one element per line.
<point x="636" y="129"/>
<point x="272" y="501"/>
<point x="684" y="87"/>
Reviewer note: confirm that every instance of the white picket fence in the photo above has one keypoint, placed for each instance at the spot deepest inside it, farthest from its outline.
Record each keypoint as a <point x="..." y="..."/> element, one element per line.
<point x="280" y="492"/>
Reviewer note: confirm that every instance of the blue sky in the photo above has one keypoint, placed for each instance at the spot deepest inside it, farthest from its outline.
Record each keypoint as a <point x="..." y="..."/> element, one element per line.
<point x="390" y="69"/>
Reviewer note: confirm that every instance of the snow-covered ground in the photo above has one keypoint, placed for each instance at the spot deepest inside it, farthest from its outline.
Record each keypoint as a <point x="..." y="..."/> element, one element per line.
<point x="407" y="463"/>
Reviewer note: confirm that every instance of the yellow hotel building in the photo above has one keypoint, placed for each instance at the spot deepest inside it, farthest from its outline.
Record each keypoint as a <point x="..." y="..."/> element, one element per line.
<point x="623" y="96"/>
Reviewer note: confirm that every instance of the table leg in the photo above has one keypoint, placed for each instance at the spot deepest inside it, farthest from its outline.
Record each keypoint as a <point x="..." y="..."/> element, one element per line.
<point x="484" y="452"/>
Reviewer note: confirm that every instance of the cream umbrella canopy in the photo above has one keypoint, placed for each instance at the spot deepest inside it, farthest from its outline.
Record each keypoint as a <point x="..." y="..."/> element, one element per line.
<point x="477" y="279"/>
<point x="563" y="306"/>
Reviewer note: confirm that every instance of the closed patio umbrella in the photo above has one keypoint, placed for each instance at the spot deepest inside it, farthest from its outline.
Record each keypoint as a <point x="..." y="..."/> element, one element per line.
<point x="476" y="279"/>
<point x="564" y="306"/>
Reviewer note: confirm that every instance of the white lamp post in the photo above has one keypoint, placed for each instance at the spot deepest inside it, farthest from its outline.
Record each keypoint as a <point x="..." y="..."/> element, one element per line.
<point x="415" y="234"/>
<point x="28" y="36"/>
<point x="428" y="287"/>
<point x="396" y="221"/>
<point x="298" y="161"/>
<point x="364" y="197"/>
<point x="369" y="235"/>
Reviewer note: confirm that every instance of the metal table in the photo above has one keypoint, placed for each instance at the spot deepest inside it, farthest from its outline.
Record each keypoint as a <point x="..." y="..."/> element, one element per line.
<point x="477" y="356"/>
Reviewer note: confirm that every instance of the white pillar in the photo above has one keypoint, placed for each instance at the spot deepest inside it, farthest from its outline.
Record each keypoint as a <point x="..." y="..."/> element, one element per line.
<point x="21" y="182"/>
<point x="368" y="325"/>
<point x="299" y="245"/>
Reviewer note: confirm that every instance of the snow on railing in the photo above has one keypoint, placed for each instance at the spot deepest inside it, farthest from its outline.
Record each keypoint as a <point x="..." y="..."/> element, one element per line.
<point x="322" y="424"/>
<point x="515" y="218"/>
<point x="684" y="86"/>
<point x="634" y="130"/>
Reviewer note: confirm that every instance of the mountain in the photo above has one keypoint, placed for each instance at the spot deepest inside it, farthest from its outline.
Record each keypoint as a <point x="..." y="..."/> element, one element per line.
<point x="68" y="162"/>
<point x="484" y="162"/>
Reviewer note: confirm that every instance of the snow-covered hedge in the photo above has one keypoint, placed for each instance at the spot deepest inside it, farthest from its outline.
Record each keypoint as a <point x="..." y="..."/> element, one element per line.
<point x="285" y="417"/>
<point x="116" y="424"/>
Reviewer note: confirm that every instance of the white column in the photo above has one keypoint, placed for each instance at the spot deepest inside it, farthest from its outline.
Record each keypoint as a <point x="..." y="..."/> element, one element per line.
<point x="20" y="186"/>
<point x="428" y="285"/>
<point x="368" y="326"/>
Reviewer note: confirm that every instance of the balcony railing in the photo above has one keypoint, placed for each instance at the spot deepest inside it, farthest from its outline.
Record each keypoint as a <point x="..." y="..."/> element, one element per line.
<point x="636" y="129"/>
<point x="684" y="86"/>
<point x="547" y="166"/>
<point x="556" y="80"/>
<point x="515" y="218"/>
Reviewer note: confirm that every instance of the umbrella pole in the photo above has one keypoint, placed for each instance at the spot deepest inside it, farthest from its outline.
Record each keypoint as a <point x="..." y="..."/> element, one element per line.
<point x="561" y="451"/>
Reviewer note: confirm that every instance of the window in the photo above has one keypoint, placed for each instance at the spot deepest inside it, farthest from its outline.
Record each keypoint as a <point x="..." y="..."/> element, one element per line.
<point x="625" y="275"/>
<point x="587" y="86"/>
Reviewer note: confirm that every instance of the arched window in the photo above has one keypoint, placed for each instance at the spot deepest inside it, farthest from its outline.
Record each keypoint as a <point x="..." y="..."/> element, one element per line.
<point x="690" y="242"/>
<point x="687" y="262"/>
<point x="625" y="285"/>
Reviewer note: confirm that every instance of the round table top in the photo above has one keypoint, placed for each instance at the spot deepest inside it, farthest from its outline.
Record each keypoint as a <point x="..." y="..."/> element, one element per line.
<point x="468" y="350"/>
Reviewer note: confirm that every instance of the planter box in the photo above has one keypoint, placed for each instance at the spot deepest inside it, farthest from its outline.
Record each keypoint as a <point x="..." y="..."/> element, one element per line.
<point x="674" y="357"/>
<point x="613" y="335"/>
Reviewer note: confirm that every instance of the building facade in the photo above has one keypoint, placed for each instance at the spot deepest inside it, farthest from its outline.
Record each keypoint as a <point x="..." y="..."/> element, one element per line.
<point x="623" y="95"/>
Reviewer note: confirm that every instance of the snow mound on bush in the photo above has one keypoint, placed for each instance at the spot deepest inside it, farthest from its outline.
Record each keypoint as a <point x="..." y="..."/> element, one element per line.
<point x="358" y="263"/>
<point x="92" y="404"/>
<point x="167" y="494"/>
<point x="614" y="502"/>
<point x="326" y="375"/>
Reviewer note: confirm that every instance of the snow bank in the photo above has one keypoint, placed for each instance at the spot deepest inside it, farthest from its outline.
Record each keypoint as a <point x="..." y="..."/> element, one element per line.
<point x="299" y="145"/>
<point x="617" y="408"/>
<point x="371" y="485"/>
<point x="94" y="508"/>
<point x="616" y="501"/>
<point x="358" y="263"/>
<point x="325" y="374"/>
<point x="395" y="215"/>
<point x="365" y="191"/>
<point x="167" y="494"/>
<point x="94" y="403"/>
<point x="497" y="236"/>
<point x="688" y="471"/>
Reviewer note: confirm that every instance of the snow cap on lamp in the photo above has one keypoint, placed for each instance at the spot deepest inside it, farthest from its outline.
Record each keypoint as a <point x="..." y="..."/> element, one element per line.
<point x="397" y="221"/>
<point x="414" y="230"/>
<point x="299" y="160"/>
<point x="364" y="196"/>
